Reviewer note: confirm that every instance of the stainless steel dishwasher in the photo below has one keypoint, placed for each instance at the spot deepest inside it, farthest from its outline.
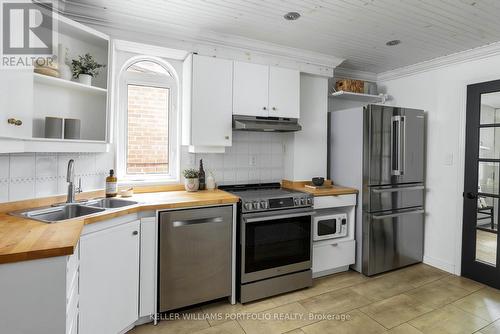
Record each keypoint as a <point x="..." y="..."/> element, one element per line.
<point x="194" y="256"/>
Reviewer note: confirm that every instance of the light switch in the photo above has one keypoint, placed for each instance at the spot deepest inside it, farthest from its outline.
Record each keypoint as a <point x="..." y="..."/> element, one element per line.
<point x="252" y="161"/>
<point x="448" y="159"/>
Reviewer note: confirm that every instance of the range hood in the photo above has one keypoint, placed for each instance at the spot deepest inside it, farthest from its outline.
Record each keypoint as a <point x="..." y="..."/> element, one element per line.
<point x="265" y="124"/>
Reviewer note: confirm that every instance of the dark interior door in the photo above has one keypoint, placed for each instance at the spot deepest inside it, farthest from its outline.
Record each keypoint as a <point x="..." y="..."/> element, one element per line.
<point x="482" y="184"/>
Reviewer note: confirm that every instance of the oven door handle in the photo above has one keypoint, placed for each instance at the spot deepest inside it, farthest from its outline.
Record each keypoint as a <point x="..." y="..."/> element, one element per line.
<point x="267" y="218"/>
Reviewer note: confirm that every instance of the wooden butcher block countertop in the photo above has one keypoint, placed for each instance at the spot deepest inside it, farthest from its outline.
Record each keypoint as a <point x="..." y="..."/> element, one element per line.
<point x="333" y="191"/>
<point x="26" y="239"/>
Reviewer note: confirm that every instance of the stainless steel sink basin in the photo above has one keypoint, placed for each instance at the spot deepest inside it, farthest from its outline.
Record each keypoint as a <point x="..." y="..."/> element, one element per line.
<point x="110" y="203"/>
<point x="56" y="214"/>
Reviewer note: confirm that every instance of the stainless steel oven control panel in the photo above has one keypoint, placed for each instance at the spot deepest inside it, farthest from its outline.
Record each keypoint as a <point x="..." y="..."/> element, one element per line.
<point x="266" y="204"/>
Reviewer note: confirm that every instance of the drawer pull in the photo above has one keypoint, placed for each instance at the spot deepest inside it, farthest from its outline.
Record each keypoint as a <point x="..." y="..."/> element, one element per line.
<point x="16" y="122"/>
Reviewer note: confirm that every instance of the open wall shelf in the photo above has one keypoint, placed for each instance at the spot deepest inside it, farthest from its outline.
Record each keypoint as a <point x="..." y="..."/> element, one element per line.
<point x="359" y="97"/>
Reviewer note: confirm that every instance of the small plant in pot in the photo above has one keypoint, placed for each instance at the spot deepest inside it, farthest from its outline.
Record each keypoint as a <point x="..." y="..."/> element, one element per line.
<point x="85" y="68"/>
<point x="191" y="181"/>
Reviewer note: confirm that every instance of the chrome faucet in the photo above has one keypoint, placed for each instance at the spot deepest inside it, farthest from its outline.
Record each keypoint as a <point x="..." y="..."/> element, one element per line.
<point x="70" y="178"/>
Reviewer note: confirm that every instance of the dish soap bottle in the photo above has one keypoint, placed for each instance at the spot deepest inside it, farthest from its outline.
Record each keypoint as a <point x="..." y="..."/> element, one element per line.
<point x="111" y="184"/>
<point x="201" y="176"/>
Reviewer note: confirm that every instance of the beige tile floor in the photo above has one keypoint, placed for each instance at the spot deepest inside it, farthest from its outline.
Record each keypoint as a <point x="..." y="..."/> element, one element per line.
<point x="413" y="300"/>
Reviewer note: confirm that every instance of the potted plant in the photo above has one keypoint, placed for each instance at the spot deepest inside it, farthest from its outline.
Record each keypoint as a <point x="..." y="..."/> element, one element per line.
<point x="85" y="68"/>
<point x="191" y="182"/>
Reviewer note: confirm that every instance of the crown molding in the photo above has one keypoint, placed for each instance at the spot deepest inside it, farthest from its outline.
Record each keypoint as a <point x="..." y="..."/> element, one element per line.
<point x="481" y="52"/>
<point x="219" y="40"/>
<point x="348" y="73"/>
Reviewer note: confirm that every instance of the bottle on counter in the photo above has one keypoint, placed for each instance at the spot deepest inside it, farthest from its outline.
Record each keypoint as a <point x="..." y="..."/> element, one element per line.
<point x="111" y="184"/>
<point x="201" y="176"/>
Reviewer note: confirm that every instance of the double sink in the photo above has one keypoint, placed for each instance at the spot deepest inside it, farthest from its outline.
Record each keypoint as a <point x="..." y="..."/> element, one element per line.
<point x="73" y="210"/>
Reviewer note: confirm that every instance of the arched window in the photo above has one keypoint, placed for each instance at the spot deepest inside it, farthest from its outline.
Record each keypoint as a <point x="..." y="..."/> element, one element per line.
<point x="147" y="126"/>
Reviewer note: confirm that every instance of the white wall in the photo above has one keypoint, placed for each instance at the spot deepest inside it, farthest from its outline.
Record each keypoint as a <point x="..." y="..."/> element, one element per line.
<point x="442" y="93"/>
<point x="306" y="150"/>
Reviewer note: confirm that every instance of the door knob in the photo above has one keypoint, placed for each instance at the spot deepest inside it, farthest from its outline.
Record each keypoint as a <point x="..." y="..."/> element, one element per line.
<point x="471" y="195"/>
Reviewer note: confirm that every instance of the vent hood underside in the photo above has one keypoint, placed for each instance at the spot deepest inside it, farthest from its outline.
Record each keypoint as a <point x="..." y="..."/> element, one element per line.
<point x="265" y="124"/>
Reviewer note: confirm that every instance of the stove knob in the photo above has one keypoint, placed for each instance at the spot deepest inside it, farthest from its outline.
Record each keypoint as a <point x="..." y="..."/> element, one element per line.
<point x="302" y="201"/>
<point x="309" y="201"/>
<point x="263" y="204"/>
<point x="296" y="202"/>
<point x="247" y="206"/>
<point x="255" y="205"/>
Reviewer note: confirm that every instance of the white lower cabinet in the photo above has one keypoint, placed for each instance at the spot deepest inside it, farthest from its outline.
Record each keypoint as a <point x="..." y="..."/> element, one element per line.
<point x="40" y="296"/>
<point x="147" y="290"/>
<point x="334" y="255"/>
<point x="109" y="279"/>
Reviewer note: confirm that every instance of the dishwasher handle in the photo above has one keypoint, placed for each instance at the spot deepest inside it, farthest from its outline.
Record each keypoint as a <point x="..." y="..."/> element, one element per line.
<point x="179" y="223"/>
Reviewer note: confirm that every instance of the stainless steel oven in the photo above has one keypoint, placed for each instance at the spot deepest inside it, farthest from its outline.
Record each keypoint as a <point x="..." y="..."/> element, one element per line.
<point x="274" y="240"/>
<point x="275" y="243"/>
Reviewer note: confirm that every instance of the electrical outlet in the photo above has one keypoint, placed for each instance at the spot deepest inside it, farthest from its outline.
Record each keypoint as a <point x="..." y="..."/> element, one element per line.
<point x="252" y="161"/>
<point x="192" y="159"/>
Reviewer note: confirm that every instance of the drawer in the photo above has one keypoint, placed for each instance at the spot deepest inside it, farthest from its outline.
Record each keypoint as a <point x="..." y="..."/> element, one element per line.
<point x="71" y="280"/>
<point x="333" y="255"/>
<point x="324" y="202"/>
<point x="72" y="327"/>
<point x="72" y="298"/>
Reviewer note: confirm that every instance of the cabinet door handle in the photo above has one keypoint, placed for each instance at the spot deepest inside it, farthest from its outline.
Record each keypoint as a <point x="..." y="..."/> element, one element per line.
<point x="264" y="108"/>
<point x="274" y="108"/>
<point x="135" y="233"/>
<point x="16" y="122"/>
<point x="226" y="137"/>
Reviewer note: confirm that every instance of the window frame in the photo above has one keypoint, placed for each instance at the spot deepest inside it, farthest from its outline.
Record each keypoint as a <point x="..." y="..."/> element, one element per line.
<point x="160" y="81"/>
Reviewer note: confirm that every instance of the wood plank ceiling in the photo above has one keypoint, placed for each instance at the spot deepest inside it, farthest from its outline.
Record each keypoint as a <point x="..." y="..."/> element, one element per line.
<point x="356" y="30"/>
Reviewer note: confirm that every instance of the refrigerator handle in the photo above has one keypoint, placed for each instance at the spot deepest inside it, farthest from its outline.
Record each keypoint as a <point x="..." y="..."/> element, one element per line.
<point x="399" y="214"/>
<point x="402" y="145"/>
<point x="395" y="126"/>
<point x="397" y="142"/>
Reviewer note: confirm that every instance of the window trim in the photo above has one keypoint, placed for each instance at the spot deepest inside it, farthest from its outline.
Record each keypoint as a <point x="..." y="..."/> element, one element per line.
<point x="172" y="83"/>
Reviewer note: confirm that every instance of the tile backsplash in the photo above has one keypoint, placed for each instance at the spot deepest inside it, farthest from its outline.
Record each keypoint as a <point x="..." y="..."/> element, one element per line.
<point x="253" y="157"/>
<point x="31" y="175"/>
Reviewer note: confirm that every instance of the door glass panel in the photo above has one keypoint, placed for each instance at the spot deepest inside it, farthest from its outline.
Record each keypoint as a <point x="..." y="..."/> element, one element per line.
<point x="488" y="177"/>
<point x="490" y="108"/>
<point x="275" y="243"/>
<point x="489" y="143"/>
<point x="486" y="230"/>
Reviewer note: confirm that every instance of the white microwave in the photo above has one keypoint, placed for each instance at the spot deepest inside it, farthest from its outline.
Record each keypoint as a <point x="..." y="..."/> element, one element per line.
<point x="329" y="226"/>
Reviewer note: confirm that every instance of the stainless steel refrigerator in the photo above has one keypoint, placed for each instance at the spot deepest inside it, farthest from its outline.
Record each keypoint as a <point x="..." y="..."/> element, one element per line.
<point x="381" y="150"/>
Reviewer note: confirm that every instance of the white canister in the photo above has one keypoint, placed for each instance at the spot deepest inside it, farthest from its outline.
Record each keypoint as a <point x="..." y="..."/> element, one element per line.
<point x="191" y="184"/>
<point x="210" y="182"/>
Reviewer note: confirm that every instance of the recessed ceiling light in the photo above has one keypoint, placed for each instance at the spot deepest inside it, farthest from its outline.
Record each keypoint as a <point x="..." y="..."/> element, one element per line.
<point x="291" y="16"/>
<point x="393" y="42"/>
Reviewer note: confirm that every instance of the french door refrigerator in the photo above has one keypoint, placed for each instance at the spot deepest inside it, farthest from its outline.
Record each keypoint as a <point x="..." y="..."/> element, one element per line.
<point x="381" y="150"/>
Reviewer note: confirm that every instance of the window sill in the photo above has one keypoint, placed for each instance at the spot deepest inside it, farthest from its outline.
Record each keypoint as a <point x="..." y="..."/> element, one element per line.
<point x="147" y="182"/>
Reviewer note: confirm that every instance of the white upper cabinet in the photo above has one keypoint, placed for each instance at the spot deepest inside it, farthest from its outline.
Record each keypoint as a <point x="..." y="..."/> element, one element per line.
<point x="284" y="92"/>
<point x="16" y="103"/>
<point x="208" y="103"/>
<point x="250" y="89"/>
<point x="268" y="91"/>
